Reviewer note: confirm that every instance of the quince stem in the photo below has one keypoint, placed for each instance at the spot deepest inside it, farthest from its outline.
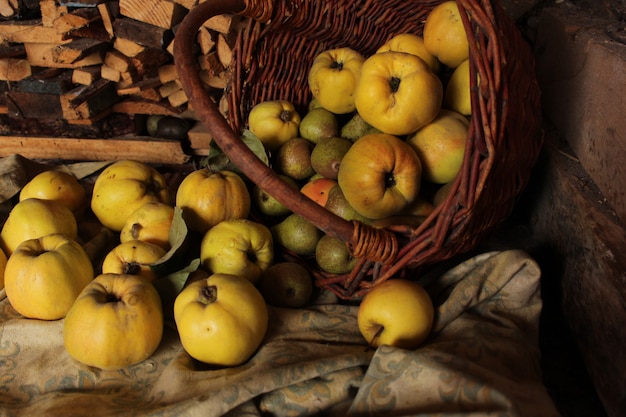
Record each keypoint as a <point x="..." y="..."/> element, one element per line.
<point x="208" y="294"/>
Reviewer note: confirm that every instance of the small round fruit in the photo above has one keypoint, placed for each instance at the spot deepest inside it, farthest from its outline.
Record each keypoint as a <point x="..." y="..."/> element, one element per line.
<point x="318" y="124"/>
<point x="411" y="44"/>
<point x="57" y="185"/>
<point x="274" y="122"/>
<point x="133" y="257"/>
<point x="444" y="34"/>
<point x="287" y="284"/>
<point x="332" y="255"/>
<point x="43" y="276"/>
<point x="221" y="320"/>
<point x="380" y="175"/>
<point x="457" y="96"/>
<point x="122" y="188"/>
<point x="397" y="312"/>
<point x="150" y="223"/>
<point x="296" y="234"/>
<point x="116" y="322"/>
<point x="318" y="189"/>
<point x="397" y="93"/>
<point x="327" y="155"/>
<point x="3" y="264"/>
<point x="33" y="218"/>
<point x="440" y="146"/>
<point x="293" y="159"/>
<point x="238" y="247"/>
<point x="266" y="203"/>
<point x="207" y="197"/>
<point x="333" y="78"/>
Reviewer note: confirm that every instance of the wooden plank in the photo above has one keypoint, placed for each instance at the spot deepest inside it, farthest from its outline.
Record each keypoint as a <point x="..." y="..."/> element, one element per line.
<point x="579" y="244"/>
<point x="144" y="149"/>
<point x="141" y="106"/>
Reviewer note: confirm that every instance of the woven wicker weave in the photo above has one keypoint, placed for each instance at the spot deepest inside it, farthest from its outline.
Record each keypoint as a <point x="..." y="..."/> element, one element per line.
<point x="271" y="60"/>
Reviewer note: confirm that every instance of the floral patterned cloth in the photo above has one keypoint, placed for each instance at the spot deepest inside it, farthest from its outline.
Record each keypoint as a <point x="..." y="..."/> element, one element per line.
<point x="482" y="357"/>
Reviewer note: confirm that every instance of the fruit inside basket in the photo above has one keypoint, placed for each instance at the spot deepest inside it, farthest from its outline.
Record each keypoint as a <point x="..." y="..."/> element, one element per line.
<point x="271" y="60"/>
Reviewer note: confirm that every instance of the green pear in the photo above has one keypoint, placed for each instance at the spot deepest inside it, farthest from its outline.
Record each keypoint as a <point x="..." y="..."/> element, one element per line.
<point x="286" y="284"/>
<point x="319" y="123"/>
<point x="313" y="104"/>
<point x="337" y="204"/>
<point x="327" y="155"/>
<point x="293" y="159"/>
<point x="332" y="255"/>
<point x="355" y="128"/>
<point x="296" y="234"/>
<point x="266" y="203"/>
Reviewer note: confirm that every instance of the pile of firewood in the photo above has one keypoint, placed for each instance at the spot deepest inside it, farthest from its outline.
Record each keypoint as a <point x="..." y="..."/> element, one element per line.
<point x="80" y="62"/>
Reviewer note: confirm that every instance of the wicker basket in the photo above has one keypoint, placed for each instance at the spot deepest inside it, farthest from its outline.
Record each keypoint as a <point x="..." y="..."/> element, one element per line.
<point x="271" y="60"/>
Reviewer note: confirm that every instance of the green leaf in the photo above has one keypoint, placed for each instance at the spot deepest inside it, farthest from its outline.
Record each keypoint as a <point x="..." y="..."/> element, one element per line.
<point x="172" y="261"/>
<point x="217" y="160"/>
<point x="171" y="285"/>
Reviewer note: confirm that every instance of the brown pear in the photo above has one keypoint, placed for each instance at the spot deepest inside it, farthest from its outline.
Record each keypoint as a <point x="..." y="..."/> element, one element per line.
<point x="293" y="159"/>
<point x="318" y="124"/>
<point x="332" y="255"/>
<point x="327" y="155"/>
<point x="286" y="284"/>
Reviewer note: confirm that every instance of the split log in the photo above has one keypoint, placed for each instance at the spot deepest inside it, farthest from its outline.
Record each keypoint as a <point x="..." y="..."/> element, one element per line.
<point x="84" y="102"/>
<point x="75" y="19"/>
<point x="28" y="31"/>
<point x="14" y="69"/>
<point x="51" y="11"/>
<point x="142" y="33"/>
<point x="86" y="75"/>
<point x="47" y="81"/>
<point x="71" y="52"/>
<point x="161" y="13"/>
<point x="41" y="55"/>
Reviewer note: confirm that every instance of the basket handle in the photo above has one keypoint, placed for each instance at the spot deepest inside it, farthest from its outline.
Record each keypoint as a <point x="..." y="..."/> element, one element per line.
<point x="378" y="245"/>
